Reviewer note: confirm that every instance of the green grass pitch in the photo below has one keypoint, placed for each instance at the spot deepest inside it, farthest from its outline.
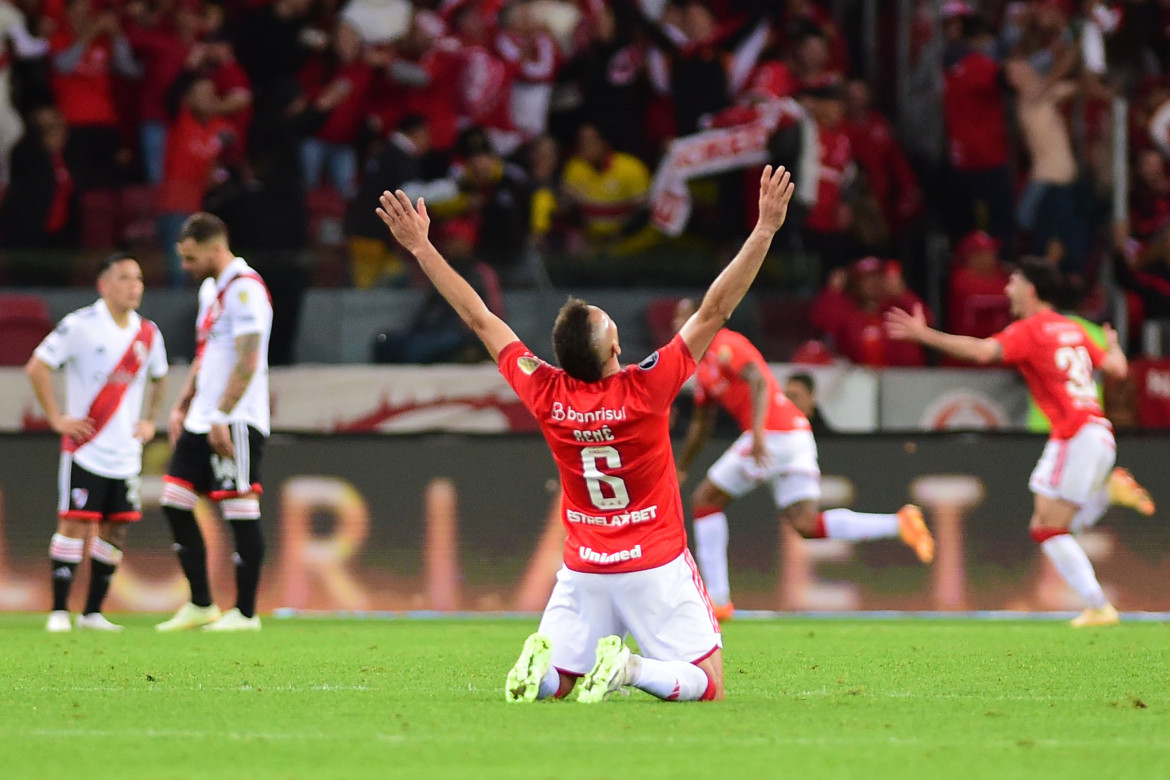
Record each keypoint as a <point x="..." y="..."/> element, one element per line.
<point x="807" y="698"/>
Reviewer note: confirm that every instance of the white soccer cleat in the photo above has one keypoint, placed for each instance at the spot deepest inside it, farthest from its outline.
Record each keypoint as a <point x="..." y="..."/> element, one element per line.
<point x="190" y="616"/>
<point x="59" y="622"/>
<point x="531" y="667"/>
<point x="96" y="621"/>
<point x="234" y="620"/>
<point x="609" y="674"/>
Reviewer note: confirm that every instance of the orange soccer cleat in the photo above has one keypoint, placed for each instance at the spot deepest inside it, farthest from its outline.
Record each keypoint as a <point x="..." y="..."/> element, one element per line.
<point x="912" y="528"/>
<point x="723" y="612"/>
<point x="1124" y="490"/>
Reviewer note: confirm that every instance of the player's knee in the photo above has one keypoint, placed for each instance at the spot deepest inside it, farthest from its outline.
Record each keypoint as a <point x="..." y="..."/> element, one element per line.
<point x="707" y="495"/>
<point x="804" y="518"/>
<point x="114" y="533"/>
<point x="568" y="682"/>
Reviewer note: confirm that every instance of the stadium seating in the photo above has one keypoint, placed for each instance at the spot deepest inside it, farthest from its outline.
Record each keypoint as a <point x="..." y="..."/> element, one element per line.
<point x="24" y="321"/>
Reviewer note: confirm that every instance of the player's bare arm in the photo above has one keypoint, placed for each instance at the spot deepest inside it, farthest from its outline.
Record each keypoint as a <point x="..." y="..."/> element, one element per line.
<point x="1115" y="364"/>
<point x="145" y="429"/>
<point x="41" y="377"/>
<point x="179" y="413"/>
<point x="732" y="284"/>
<point x="760" y="400"/>
<point x="698" y="432"/>
<point x="247" y="360"/>
<point x="410" y="225"/>
<point x="911" y="326"/>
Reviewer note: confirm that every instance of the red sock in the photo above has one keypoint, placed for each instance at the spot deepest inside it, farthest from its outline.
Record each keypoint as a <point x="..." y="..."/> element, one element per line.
<point x="1041" y="535"/>
<point x="819" y="531"/>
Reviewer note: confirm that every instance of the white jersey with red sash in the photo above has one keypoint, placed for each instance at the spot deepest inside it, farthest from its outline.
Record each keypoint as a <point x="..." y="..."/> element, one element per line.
<point x="105" y="370"/>
<point x="235" y="304"/>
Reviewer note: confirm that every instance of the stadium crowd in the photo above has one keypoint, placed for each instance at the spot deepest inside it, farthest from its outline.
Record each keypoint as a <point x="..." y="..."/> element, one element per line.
<point x="604" y="142"/>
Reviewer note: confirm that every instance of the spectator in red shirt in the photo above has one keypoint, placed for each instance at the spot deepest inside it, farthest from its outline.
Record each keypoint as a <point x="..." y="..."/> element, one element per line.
<point x="977" y="305"/>
<point x="850" y="310"/>
<point x="39" y="208"/>
<point x="216" y="58"/>
<point x="163" y="46"/>
<point x="1149" y="198"/>
<point x="826" y="228"/>
<point x="86" y="53"/>
<point x="195" y="141"/>
<point x="880" y="156"/>
<point x="338" y="84"/>
<point x="976" y="126"/>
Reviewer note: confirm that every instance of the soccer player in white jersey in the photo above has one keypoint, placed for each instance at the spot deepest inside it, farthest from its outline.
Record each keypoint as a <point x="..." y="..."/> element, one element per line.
<point x="219" y="424"/>
<point x="108" y="353"/>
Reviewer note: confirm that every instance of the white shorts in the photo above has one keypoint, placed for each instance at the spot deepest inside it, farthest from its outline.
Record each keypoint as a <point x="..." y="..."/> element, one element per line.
<point x="1072" y="469"/>
<point x="666" y="609"/>
<point x="793" y="472"/>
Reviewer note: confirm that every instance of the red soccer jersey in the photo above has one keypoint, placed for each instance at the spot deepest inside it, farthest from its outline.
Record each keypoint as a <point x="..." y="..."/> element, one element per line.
<point x="718" y="378"/>
<point x="620" y="499"/>
<point x="1056" y="358"/>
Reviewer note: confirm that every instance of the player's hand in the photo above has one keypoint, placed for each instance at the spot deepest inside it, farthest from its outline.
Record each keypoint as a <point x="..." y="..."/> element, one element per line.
<point x="175" y="425"/>
<point x="776" y="190"/>
<point x="220" y="439"/>
<point x="1111" y="342"/>
<point x="144" y="430"/>
<point x="759" y="453"/>
<point x="904" y="326"/>
<point x="408" y="224"/>
<point x="79" y="430"/>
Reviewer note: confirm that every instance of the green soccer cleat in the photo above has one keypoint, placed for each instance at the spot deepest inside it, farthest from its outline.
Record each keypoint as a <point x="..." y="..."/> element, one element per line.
<point x="609" y="674"/>
<point x="531" y="667"/>
<point x="190" y="616"/>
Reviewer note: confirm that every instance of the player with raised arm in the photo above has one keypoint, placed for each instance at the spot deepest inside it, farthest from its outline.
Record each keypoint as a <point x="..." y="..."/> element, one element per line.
<point x="775" y="448"/>
<point x="1074" y="481"/>
<point x="219" y="425"/>
<point x="108" y="353"/>
<point x="626" y="564"/>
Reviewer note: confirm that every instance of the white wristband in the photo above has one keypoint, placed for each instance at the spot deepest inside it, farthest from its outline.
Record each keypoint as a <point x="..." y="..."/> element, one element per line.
<point x="218" y="417"/>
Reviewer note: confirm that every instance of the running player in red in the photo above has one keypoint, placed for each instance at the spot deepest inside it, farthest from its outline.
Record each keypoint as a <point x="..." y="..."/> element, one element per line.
<point x="1075" y="481"/>
<point x="626" y="565"/>
<point x="775" y="448"/>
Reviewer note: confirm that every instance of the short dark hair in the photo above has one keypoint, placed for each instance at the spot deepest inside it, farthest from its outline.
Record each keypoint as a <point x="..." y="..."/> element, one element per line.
<point x="411" y="122"/>
<point x="202" y="227"/>
<point x="1042" y="275"/>
<point x="806" y="380"/>
<point x="109" y="261"/>
<point x="573" y="342"/>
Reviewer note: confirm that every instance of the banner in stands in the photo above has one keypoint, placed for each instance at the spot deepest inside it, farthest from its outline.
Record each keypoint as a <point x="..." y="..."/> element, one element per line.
<point x="958" y="399"/>
<point x="459" y="522"/>
<point x="476" y="399"/>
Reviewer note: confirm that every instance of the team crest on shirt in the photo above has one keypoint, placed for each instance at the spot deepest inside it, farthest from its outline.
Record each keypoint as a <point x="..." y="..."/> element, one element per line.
<point x="79" y="497"/>
<point x="243" y="296"/>
<point x="649" y="362"/>
<point x="139" y="351"/>
<point x="528" y="364"/>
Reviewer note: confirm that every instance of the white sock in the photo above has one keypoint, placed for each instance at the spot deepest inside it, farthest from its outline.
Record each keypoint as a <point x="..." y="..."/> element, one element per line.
<point x="669" y="680"/>
<point x="1092" y="510"/>
<point x="1070" y="560"/>
<point x="847" y="524"/>
<point x="711" y="551"/>
<point x="549" y="684"/>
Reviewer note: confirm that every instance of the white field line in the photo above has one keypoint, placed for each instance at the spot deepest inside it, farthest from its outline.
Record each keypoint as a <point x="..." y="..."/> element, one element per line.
<point x="1078" y="742"/>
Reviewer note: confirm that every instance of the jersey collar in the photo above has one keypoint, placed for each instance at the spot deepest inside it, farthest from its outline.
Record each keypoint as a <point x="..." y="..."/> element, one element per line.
<point x="103" y="312"/>
<point x="230" y="271"/>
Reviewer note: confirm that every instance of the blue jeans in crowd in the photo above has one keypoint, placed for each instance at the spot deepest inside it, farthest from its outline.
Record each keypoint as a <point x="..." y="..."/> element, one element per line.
<point x="338" y="160"/>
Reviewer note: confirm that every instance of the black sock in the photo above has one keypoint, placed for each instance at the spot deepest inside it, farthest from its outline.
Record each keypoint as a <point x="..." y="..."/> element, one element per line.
<point x="63" y="572"/>
<point x="192" y="553"/>
<point x="249" y="556"/>
<point x="100" y="574"/>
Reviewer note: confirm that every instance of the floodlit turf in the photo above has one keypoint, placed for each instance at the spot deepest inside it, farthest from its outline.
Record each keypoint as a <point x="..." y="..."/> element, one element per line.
<point x="422" y="699"/>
